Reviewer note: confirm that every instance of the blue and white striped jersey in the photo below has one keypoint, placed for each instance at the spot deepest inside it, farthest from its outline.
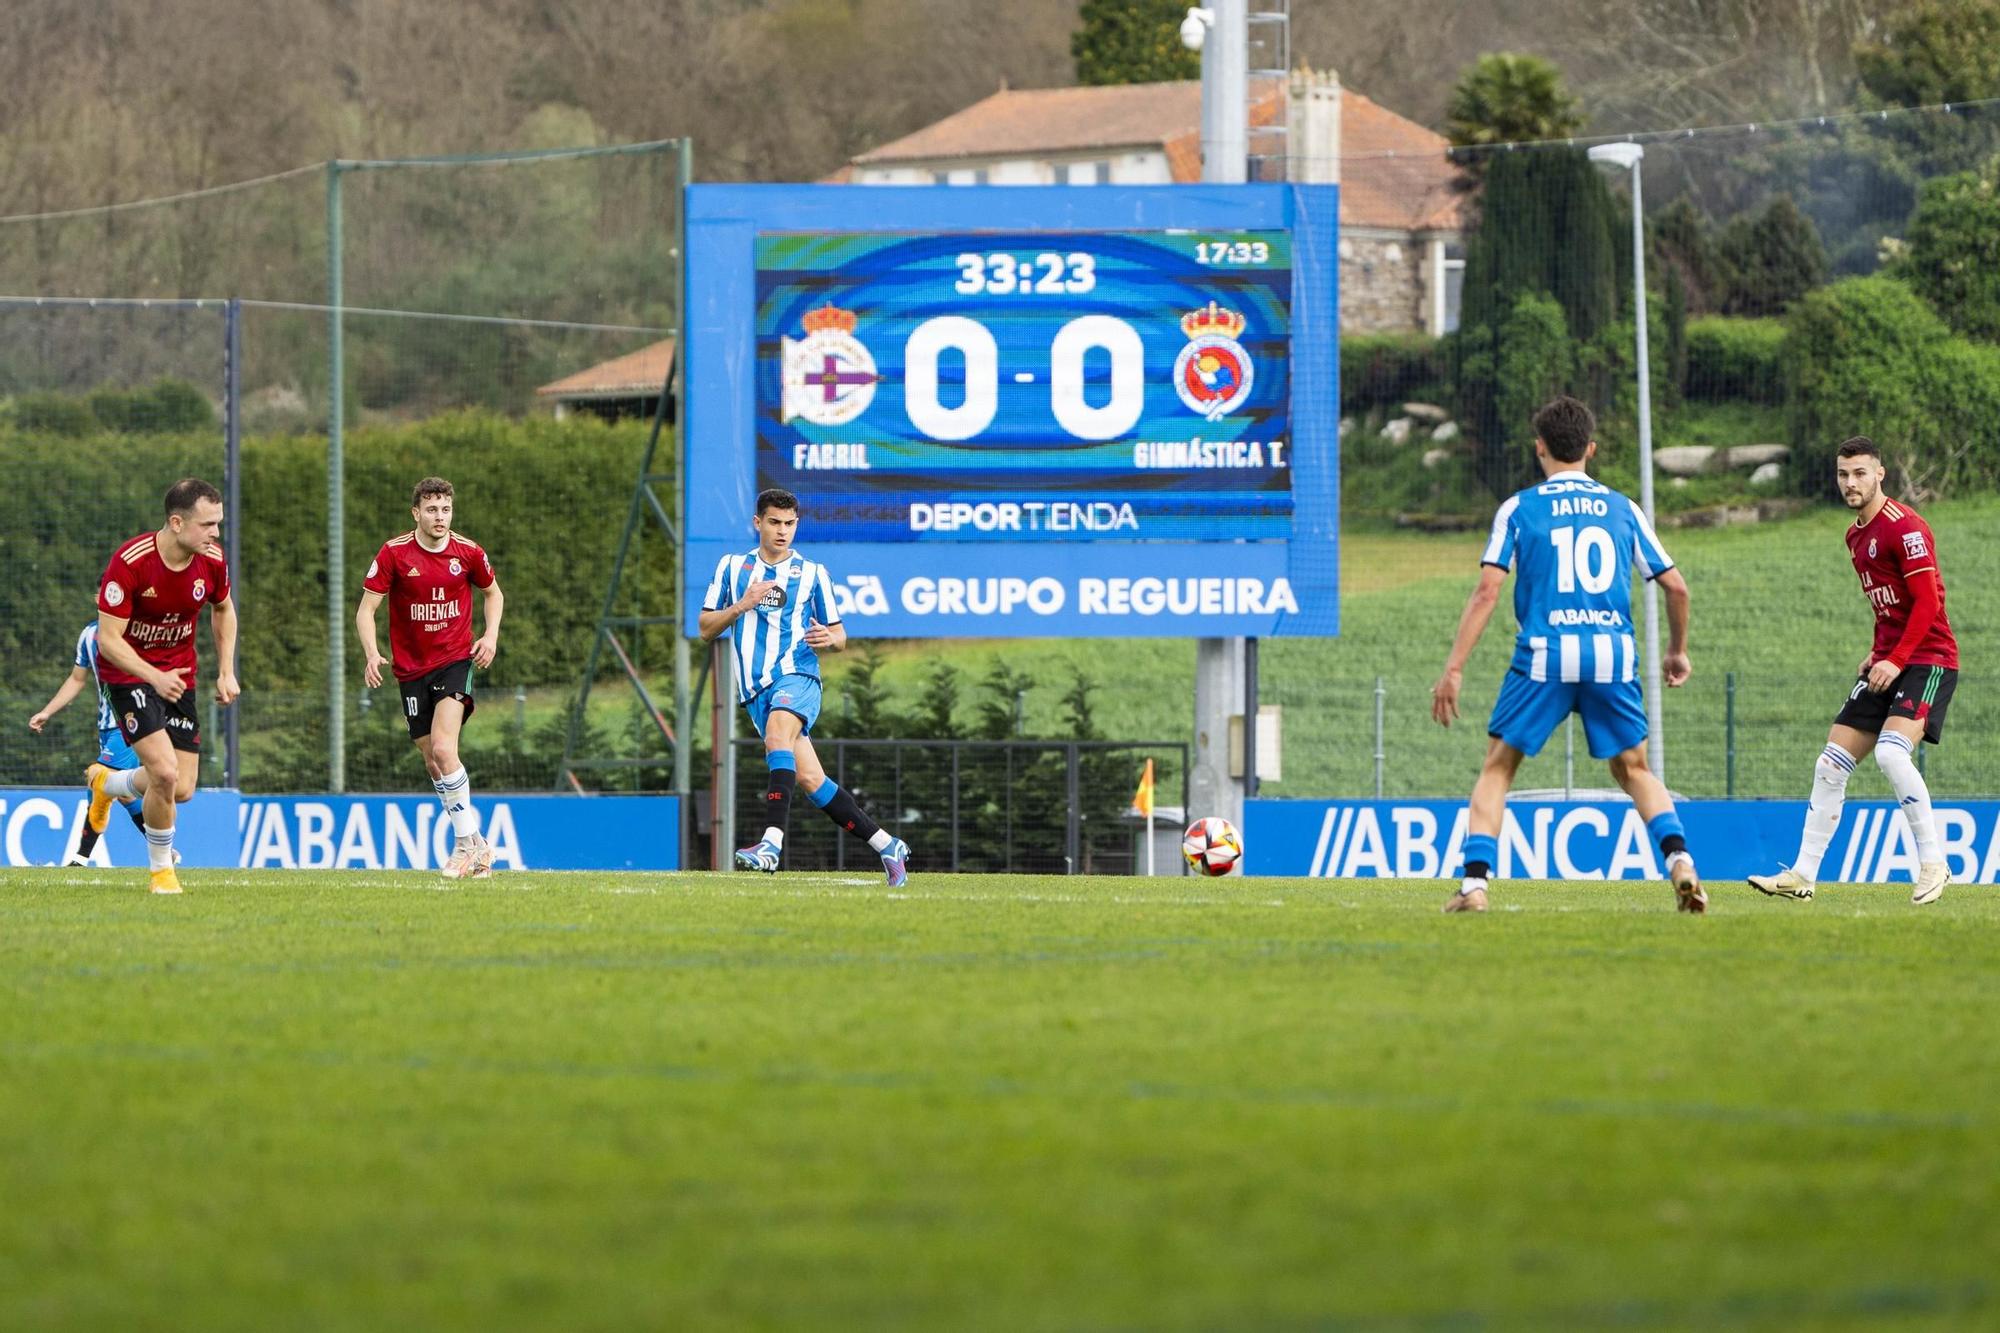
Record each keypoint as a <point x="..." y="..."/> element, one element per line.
<point x="771" y="639"/>
<point x="86" y="657"/>
<point x="1572" y="544"/>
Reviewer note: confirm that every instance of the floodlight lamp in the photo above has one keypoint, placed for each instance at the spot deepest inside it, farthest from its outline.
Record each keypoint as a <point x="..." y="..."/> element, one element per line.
<point x="1194" y="28"/>
<point x="1625" y="155"/>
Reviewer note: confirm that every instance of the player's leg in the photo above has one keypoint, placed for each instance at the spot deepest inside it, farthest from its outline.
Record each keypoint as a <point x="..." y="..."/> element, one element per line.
<point x="1848" y="742"/>
<point x="1525" y="714"/>
<point x="1487" y="810"/>
<point x="1615" y="728"/>
<point x="1916" y="714"/>
<point x="781" y="730"/>
<point x="840" y="806"/>
<point x="470" y="853"/>
<point x="117" y="775"/>
<point x="162" y="764"/>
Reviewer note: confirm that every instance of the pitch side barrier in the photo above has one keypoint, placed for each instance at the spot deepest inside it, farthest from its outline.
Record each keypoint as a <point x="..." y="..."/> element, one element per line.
<point x="221" y="828"/>
<point x="1584" y="840"/>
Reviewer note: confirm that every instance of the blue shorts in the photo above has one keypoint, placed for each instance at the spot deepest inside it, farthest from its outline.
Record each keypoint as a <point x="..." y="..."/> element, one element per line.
<point x="786" y="694"/>
<point x="1528" y="712"/>
<point x="113" y="752"/>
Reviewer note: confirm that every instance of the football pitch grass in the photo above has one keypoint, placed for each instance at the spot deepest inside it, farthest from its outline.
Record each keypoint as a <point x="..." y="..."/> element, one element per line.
<point x="597" y="1101"/>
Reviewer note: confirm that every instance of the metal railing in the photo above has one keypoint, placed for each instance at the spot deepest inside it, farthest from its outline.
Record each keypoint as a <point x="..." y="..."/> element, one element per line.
<point x="1056" y="807"/>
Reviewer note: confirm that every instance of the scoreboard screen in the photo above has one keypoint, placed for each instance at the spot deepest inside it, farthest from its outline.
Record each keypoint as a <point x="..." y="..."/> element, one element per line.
<point x="1064" y="411"/>
<point x="1028" y="386"/>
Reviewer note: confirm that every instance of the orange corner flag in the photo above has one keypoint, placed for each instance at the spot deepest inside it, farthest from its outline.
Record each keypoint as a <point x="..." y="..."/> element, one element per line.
<point x="1142" y="800"/>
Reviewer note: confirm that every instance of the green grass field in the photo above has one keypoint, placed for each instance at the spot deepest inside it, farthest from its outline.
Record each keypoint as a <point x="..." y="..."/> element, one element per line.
<point x="360" y="1101"/>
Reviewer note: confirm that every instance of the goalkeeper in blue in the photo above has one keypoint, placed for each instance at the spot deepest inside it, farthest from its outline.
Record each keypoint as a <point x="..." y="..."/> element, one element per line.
<point x="1572" y="544"/>
<point x="778" y="606"/>
<point x="113" y="752"/>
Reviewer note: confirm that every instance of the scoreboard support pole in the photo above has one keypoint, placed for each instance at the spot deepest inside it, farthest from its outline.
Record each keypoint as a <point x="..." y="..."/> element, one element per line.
<point x="1219" y="667"/>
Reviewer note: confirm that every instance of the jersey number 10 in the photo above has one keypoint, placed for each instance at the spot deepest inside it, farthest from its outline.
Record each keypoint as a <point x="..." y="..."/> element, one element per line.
<point x="1584" y="556"/>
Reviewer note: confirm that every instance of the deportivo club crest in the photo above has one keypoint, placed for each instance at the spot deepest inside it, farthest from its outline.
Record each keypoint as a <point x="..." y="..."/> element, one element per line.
<point x="1213" y="373"/>
<point x="829" y="376"/>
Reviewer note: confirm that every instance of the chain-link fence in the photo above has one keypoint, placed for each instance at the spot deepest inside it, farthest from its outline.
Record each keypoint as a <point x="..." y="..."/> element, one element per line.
<point x="1018" y="806"/>
<point x="504" y="322"/>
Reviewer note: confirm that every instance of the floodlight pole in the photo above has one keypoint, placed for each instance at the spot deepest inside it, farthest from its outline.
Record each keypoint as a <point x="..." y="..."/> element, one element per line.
<point x="336" y="490"/>
<point x="1219" y="666"/>
<point x="1630" y="155"/>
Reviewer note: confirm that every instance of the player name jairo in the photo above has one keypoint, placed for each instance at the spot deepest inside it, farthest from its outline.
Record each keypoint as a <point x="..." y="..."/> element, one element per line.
<point x="863" y="595"/>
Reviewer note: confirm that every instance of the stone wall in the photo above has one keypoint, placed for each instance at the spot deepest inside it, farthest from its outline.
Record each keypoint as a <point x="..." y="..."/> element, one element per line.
<point x="1382" y="284"/>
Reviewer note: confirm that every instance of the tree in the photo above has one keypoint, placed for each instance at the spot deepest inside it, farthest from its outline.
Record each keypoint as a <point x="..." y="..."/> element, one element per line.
<point x="1132" y="41"/>
<point x="1953" y="256"/>
<point x="1503" y="97"/>
<point x="933" y="716"/>
<point x="1002" y="689"/>
<point x="1931" y="52"/>
<point x="1770" y="260"/>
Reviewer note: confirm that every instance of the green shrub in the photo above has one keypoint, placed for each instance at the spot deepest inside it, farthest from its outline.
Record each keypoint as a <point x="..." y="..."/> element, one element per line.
<point x="1385" y="369"/>
<point x="1770" y="260"/>
<point x="1735" y="359"/>
<point x="53" y="414"/>
<point x="1867" y="356"/>
<point x="1953" y="259"/>
<point x="546" y="498"/>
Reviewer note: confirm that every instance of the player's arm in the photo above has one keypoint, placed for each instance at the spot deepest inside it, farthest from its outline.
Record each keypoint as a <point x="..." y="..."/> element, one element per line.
<point x="222" y="624"/>
<point x="1925" y="601"/>
<point x="713" y="623"/>
<point x="491" y="604"/>
<point x="1675" y="667"/>
<point x="71" y="687"/>
<point x="372" y="660"/>
<point x="112" y="648"/>
<point x="827" y="634"/>
<point x="1471" y="624"/>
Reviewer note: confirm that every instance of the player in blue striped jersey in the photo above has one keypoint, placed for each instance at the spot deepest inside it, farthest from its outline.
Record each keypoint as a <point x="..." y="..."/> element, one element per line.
<point x="1573" y="544"/>
<point x="778" y="606"/>
<point x="113" y="752"/>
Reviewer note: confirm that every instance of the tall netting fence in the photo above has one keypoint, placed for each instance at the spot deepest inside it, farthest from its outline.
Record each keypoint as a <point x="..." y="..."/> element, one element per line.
<point x="1804" y="282"/>
<point x="506" y="323"/>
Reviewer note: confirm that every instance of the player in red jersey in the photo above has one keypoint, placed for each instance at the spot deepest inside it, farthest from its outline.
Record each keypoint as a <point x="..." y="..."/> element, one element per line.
<point x="1905" y="683"/>
<point x="147" y="604"/>
<point x="428" y="576"/>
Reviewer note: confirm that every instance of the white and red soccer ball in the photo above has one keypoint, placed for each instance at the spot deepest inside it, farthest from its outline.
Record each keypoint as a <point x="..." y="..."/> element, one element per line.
<point x="1212" y="846"/>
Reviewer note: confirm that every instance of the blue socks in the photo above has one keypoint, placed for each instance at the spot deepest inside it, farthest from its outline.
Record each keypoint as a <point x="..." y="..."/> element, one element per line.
<point x="1482" y="852"/>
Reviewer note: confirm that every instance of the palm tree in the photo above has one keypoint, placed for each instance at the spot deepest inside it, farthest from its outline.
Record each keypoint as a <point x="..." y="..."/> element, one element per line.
<point x="1507" y="98"/>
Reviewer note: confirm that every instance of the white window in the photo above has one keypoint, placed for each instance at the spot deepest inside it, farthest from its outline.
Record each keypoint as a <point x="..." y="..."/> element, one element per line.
<point x="1086" y="173"/>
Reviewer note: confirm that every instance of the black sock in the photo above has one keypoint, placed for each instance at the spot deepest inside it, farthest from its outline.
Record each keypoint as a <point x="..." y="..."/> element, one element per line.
<point x="86" y="842"/>
<point x="1672" y="843"/>
<point x="845" y="811"/>
<point x="137" y="809"/>
<point x="778" y="798"/>
<point x="1476" y="869"/>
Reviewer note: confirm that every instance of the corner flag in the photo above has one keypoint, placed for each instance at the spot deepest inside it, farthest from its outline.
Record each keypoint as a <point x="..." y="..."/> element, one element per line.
<point x="1142" y="800"/>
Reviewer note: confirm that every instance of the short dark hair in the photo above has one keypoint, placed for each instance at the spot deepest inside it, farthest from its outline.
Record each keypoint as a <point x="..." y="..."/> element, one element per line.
<point x="1856" y="445"/>
<point x="1566" y="426"/>
<point x="428" y="487"/>
<point x="184" y="494"/>
<point x="776" y="499"/>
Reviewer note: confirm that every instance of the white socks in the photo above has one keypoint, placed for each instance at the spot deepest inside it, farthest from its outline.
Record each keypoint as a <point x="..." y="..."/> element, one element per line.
<point x="160" y="847"/>
<point x="775" y="836"/>
<point x="119" y="785"/>
<point x="455" y="790"/>
<point x="1829" y="793"/>
<point x="880" y="840"/>
<point x="1896" y="757"/>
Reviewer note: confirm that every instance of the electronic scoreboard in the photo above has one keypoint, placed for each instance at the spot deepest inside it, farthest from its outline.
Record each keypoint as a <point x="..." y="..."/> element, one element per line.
<point x="1028" y="410"/>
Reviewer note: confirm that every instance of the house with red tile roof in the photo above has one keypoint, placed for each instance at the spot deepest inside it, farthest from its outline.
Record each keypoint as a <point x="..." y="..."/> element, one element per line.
<point x="1403" y="209"/>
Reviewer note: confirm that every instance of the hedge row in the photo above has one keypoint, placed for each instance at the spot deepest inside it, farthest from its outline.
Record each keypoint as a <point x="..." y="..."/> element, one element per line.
<point x="548" y="500"/>
<point x="1733" y="360"/>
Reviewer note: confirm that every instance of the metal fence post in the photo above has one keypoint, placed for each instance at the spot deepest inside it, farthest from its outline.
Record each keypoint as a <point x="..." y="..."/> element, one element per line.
<point x="1729" y="734"/>
<point x="1381" y="693"/>
<point x="336" y="485"/>
<point x="1074" y="832"/>
<point x="232" y="482"/>
<point x="1569" y="756"/>
<point x="956" y="749"/>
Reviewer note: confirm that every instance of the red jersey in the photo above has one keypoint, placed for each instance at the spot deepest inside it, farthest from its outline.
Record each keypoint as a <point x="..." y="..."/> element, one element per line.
<point x="1887" y="552"/>
<point x="160" y="605"/>
<point x="430" y="600"/>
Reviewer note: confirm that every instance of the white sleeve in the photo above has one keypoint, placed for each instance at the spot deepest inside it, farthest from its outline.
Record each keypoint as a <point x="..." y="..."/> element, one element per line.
<point x="824" y="583"/>
<point x="717" y="586"/>
<point x="1500" y="542"/>
<point x="1653" y="558"/>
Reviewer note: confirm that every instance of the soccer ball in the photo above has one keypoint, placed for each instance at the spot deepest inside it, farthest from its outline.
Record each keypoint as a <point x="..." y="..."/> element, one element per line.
<point x="1212" y="846"/>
